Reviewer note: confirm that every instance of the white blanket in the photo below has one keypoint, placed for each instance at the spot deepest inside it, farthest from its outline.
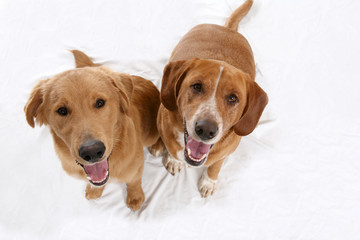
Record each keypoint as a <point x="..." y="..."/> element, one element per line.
<point x="297" y="176"/>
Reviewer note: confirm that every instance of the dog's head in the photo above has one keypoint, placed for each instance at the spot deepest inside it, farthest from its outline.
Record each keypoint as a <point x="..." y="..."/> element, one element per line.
<point x="83" y="108"/>
<point x="214" y="98"/>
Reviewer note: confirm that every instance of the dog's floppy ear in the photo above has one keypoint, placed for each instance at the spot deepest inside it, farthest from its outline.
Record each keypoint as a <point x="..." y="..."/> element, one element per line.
<point x="34" y="106"/>
<point x="82" y="60"/>
<point x="124" y="85"/>
<point x="174" y="74"/>
<point x="256" y="102"/>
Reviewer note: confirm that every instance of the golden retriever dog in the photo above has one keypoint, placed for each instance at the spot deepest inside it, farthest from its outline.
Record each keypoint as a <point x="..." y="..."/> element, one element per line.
<point x="209" y="98"/>
<point x="100" y="121"/>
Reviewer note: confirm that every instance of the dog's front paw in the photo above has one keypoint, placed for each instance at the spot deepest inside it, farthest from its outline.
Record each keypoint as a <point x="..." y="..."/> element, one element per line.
<point x="207" y="186"/>
<point x="134" y="201"/>
<point x="92" y="192"/>
<point x="171" y="164"/>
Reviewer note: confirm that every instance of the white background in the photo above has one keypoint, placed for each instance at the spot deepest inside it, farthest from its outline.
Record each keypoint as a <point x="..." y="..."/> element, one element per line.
<point x="297" y="176"/>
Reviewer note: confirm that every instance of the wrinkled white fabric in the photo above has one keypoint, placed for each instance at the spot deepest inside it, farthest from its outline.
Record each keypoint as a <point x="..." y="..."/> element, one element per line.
<point x="297" y="176"/>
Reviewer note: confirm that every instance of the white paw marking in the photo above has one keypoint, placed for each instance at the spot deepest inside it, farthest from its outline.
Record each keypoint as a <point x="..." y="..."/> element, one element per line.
<point x="207" y="186"/>
<point x="157" y="153"/>
<point x="171" y="164"/>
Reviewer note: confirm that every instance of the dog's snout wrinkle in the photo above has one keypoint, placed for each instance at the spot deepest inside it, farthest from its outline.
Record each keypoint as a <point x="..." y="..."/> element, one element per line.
<point x="206" y="129"/>
<point x="92" y="150"/>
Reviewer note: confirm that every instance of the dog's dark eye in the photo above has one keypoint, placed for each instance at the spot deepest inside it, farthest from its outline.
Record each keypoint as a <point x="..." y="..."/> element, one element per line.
<point x="62" y="111"/>
<point x="197" y="87"/>
<point x="232" y="99"/>
<point x="100" y="103"/>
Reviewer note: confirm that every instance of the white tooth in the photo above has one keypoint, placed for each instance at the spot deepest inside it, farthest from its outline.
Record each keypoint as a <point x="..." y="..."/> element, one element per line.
<point x="189" y="151"/>
<point x="194" y="159"/>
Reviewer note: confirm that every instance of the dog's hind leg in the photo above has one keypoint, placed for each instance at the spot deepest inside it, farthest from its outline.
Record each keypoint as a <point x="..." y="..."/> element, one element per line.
<point x="157" y="149"/>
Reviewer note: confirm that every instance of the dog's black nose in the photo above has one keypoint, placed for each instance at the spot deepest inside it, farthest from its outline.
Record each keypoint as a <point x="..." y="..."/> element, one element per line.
<point x="92" y="150"/>
<point x="206" y="129"/>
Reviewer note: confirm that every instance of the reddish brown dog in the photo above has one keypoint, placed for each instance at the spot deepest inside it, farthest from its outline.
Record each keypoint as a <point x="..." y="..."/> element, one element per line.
<point x="100" y="120"/>
<point x="209" y="98"/>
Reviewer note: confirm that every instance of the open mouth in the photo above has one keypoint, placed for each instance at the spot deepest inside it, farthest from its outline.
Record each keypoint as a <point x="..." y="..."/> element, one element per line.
<point x="97" y="173"/>
<point x="195" y="152"/>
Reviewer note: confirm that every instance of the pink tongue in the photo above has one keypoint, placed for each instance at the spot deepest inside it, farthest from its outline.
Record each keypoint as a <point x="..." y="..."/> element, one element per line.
<point x="198" y="149"/>
<point x="97" y="172"/>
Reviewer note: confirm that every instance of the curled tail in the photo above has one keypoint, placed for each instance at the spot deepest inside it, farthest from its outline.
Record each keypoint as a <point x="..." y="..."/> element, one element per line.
<point x="234" y="19"/>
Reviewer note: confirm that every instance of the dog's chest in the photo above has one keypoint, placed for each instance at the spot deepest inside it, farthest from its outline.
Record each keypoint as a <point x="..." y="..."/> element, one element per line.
<point x="180" y="139"/>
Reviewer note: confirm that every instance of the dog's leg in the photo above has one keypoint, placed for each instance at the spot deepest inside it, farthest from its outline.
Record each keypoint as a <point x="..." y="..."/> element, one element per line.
<point x="171" y="164"/>
<point x="93" y="192"/>
<point x="135" y="195"/>
<point x="157" y="149"/>
<point x="208" y="181"/>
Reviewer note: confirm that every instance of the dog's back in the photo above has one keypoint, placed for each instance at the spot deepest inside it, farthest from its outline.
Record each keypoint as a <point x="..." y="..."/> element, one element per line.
<point x="224" y="43"/>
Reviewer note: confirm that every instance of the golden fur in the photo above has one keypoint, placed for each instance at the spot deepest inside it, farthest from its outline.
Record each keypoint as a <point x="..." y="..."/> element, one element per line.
<point x="220" y="60"/>
<point x="125" y="124"/>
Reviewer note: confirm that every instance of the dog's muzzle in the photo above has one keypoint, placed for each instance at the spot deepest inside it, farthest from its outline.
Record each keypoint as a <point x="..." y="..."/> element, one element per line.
<point x="97" y="166"/>
<point x="196" y="152"/>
